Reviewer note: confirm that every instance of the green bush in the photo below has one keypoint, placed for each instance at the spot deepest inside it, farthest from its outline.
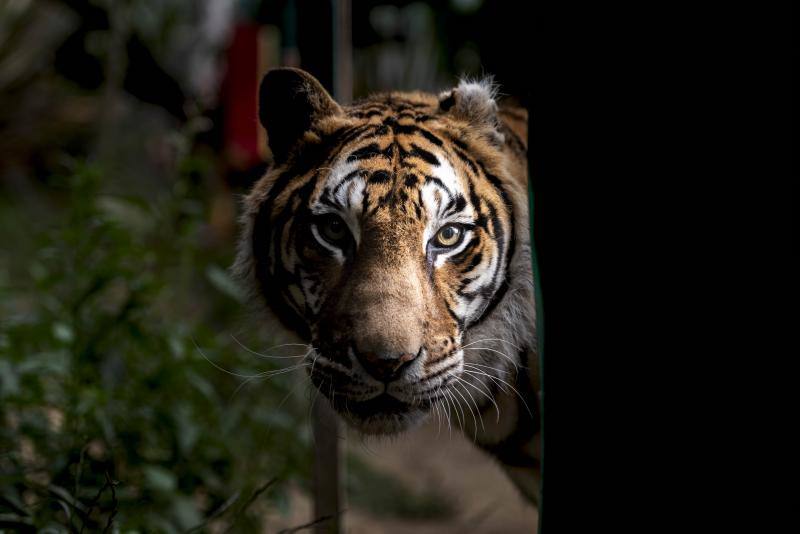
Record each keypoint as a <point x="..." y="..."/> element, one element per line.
<point x="112" y="308"/>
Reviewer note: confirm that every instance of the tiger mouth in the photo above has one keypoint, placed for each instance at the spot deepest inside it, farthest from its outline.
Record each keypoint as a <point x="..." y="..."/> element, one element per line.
<point x="380" y="415"/>
<point x="383" y="404"/>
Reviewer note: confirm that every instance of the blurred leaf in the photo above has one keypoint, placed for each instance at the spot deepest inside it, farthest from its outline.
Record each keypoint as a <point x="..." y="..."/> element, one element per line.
<point x="38" y="271"/>
<point x="185" y="511"/>
<point x="125" y="213"/>
<point x="63" y="332"/>
<point x="55" y="362"/>
<point x="176" y="347"/>
<point x="160" y="479"/>
<point x="202" y="385"/>
<point x="187" y="429"/>
<point x="221" y="280"/>
<point x="9" y="380"/>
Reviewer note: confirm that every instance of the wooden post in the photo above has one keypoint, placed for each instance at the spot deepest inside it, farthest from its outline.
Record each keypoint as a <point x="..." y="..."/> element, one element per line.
<point x="342" y="52"/>
<point x="328" y="469"/>
<point x="329" y="438"/>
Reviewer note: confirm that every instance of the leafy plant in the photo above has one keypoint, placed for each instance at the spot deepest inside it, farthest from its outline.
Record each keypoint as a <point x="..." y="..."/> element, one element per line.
<point x="114" y="331"/>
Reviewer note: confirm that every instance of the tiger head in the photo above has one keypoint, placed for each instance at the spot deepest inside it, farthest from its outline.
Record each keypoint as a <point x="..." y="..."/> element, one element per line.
<point x="381" y="234"/>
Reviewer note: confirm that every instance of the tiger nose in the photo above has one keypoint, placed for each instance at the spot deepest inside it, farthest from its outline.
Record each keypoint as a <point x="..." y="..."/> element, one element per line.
<point x="386" y="366"/>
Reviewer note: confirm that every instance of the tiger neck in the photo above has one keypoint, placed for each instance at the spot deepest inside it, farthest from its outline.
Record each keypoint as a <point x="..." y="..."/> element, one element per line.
<point x="506" y="334"/>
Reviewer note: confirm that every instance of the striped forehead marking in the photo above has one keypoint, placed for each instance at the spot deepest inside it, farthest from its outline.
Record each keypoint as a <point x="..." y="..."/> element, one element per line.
<point x="441" y="193"/>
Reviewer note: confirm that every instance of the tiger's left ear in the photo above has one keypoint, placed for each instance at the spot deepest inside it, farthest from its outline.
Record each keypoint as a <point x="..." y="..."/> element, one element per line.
<point x="290" y="101"/>
<point x="474" y="102"/>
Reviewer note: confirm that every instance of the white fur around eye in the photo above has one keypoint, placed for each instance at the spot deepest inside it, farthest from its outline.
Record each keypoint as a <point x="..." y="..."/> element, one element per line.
<point x="453" y="185"/>
<point x="348" y="197"/>
<point x="337" y="252"/>
<point x="443" y="254"/>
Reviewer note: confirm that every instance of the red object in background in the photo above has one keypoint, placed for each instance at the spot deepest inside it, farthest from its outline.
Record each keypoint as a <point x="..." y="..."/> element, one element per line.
<point x="240" y="99"/>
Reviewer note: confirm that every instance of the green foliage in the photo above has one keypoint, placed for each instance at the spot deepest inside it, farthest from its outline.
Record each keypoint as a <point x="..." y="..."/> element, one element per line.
<point x="111" y="414"/>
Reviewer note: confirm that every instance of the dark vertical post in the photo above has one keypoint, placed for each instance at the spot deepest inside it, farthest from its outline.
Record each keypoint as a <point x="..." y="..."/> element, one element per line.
<point x="328" y="486"/>
<point x="329" y="446"/>
<point x="342" y="51"/>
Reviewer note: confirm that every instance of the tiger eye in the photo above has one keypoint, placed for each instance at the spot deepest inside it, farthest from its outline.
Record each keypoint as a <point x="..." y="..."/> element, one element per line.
<point x="333" y="229"/>
<point x="448" y="236"/>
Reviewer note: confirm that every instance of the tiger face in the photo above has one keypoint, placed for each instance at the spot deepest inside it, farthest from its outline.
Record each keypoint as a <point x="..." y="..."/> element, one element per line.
<point x="381" y="235"/>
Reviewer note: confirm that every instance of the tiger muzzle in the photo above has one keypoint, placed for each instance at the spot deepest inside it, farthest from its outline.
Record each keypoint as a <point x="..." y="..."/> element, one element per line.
<point x="386" y="366"/>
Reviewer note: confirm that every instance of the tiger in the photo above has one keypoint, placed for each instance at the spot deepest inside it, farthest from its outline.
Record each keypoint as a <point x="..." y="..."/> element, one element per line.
<point x="392" y="236"/>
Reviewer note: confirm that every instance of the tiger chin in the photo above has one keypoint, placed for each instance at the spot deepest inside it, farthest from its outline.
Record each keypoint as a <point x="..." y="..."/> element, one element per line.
<point x="392" y="236"/>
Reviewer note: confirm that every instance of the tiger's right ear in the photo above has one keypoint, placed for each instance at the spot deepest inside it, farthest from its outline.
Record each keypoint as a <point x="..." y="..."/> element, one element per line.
<point x="289" y="102"/>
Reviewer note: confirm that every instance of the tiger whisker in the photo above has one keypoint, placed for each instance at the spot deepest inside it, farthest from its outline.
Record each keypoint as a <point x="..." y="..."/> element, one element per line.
<point x="267" y="356"/>
<point x="446" y="410"/>
<point x="268" y="374"/>
<point x="458" y="407"/>
<point x="516" y="392"/>
<point x="504" y="371"/>
<point x="491" y="339"/>
<point x="222" y="368"/>
<point x="435" y="407"/>
<point x="313" y="398"/>
<point x="503" y="354"/>
<point x="314" y="360"/>
<point x="481" y="372"/>
<point x="485" y="394"/>
<point x="475" y="418"/>
<point x="294" y="388"/>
